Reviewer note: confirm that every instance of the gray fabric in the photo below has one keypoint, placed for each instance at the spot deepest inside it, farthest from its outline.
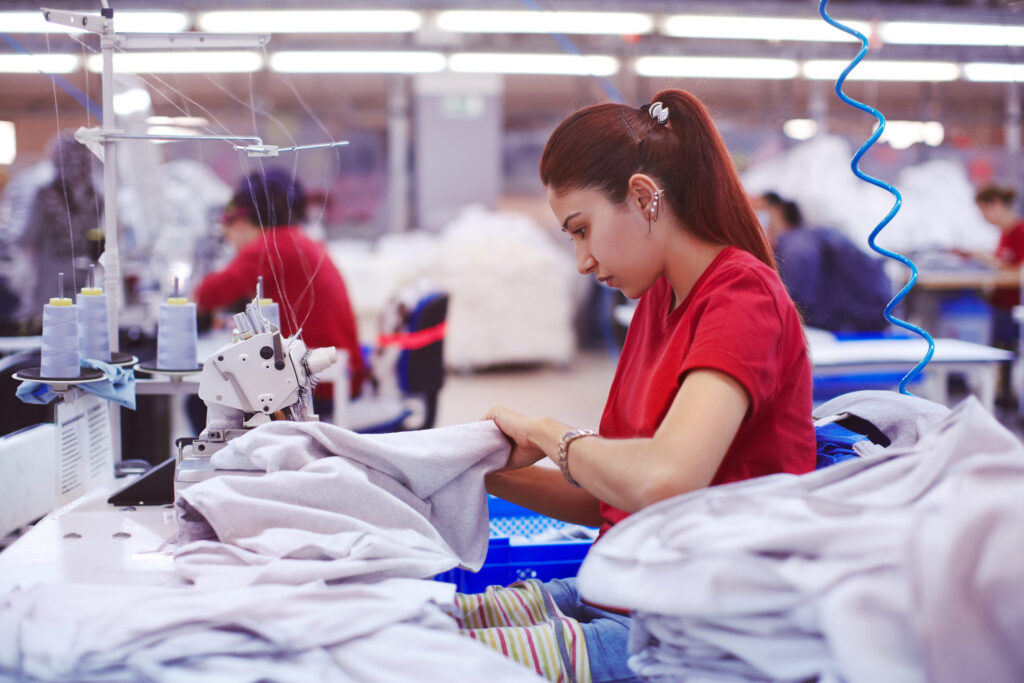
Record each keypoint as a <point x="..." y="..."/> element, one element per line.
<point x="902" y="566"/>
<point x="114" y="633"/>
<point x="408" y="504"/>
<point x="900" y="417"/>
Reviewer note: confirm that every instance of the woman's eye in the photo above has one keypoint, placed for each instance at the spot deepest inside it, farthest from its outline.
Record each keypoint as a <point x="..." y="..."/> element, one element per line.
<point x="579" y="232"/>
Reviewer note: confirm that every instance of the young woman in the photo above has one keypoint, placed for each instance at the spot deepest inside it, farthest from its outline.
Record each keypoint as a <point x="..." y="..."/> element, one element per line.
<point x="713" y="384"/>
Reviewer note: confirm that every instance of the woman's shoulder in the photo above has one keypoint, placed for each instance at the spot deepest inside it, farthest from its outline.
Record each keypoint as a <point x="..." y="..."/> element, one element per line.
<point x="736" y="268"/>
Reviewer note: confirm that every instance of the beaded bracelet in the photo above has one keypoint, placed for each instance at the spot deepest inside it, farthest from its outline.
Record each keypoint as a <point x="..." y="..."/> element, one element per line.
<point x="563" y="451"/>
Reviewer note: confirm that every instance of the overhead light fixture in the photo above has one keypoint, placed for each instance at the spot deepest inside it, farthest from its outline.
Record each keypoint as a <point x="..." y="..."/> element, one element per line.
<point x="31" y="64"/>
<point x="129" y="22"/>
<point x="800" y="129"/>
<point x="880" y="70"/>
<point x="357" y="62"/>
<point x="903" y="134"/>
<point x="8" y="143"/>
<point x="310" y="21"/>
<point x="936" y="33"/>
<point x="757" y="28"/>
<point x="993" y="72"/>
<point x="522" y="63"/>
<point x="716" y="67"/>
<point x="198" y="62"/>
<point x="530" y="21"/>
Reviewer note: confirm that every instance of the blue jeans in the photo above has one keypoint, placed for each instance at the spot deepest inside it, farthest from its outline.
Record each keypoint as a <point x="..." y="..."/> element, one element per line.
<point x="607" y="633"/>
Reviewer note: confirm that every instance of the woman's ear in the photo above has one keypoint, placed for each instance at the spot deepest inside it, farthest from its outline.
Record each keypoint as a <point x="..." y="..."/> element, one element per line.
<point x="642" y="192"/>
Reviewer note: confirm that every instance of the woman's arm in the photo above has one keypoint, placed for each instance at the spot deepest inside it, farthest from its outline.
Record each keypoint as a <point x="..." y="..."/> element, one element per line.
<point x="545" y="490"/>
<point x="630" y="474"/>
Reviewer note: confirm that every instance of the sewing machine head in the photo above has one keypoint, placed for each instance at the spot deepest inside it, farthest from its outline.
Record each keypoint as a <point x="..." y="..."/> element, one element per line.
<point x="258" y="378"/>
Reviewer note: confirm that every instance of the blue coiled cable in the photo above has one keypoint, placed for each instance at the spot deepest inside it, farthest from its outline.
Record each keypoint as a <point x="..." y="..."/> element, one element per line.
<point x="854" y="165"/>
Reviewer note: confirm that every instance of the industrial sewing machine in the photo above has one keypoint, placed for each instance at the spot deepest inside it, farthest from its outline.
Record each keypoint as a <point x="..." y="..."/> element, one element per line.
<point x="259" y="377"/>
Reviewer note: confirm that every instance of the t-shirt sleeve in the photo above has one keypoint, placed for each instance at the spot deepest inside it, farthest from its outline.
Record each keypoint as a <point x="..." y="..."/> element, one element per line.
<point x="738" y="332"/>
<point x="237" y="280"/>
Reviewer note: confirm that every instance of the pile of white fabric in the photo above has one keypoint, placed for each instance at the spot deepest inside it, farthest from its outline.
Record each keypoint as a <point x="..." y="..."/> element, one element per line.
<point x="510" y="287"/>
<point x="385" y="632"/>
<point x="904" y="565"/>
<point x="938" y="198"/>
<point x="339" y="506"/>
<point x="316" y="570"/>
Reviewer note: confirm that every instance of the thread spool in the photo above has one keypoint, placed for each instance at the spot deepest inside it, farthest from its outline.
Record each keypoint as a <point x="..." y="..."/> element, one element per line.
<point x="60" y="339"/>
<point x="93" y="335"/>
<point x="271" y="311"/>
<point x="177" y="338"/>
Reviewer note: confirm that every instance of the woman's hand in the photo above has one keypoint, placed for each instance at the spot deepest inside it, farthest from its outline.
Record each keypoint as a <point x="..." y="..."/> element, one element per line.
<point x="526" y="433"/>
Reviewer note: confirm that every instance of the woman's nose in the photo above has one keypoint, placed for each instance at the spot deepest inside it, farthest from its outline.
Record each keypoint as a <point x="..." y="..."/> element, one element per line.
<point x="585" y="263"/>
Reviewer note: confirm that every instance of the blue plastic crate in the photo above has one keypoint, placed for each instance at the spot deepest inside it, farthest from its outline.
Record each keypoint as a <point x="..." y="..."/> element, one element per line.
<point x="507" y="562"/>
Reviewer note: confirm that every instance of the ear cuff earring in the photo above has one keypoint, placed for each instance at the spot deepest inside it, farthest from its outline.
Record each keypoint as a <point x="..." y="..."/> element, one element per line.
<point x="653" y="210"/>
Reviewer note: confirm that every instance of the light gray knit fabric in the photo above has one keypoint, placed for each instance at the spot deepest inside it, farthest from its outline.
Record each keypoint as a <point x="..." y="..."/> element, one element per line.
<point x="901" y="566"/>
<point x="340" y="506"/>
<point x="390" y="631"/>
<point x="900" y="417"/>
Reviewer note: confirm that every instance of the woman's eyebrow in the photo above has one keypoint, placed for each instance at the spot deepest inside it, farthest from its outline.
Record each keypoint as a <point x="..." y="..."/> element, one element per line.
<point x="565" y="223"/>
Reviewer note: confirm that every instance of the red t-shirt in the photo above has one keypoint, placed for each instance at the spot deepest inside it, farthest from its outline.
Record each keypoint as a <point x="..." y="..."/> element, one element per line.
<point x="299" y="275"/>
<point x="1010" y="251"/>
<point x="737" y="319"/>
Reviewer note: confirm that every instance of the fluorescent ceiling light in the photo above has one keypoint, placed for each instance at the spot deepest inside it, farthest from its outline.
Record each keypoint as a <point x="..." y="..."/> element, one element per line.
<point x="311" y="21"/>
<point x="357" y="62"/>
<point x="800" y="129"/>
<point x="31" y="64"/>
<point x="985" y="71"/>
<point x="185" y="62"/>
<point x="716" y="67"/>
<point x="130" y="22"/>
<point x="757" y="28"/>
<point x="530" y="21"/>
<point x="8" y="143"/>
<point x="495" y="63"/>
<point x="934" y="33"/>
<point x="903" y="134"/>
<point x="830" y="69"/>
<point x="181" y="121"/>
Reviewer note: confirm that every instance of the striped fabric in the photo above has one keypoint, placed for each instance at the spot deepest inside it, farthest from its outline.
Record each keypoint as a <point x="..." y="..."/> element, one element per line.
<point x="523" y="623"/>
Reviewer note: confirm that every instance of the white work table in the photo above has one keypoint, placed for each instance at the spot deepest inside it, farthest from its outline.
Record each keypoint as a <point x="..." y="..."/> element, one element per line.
<point x="976" y="362"/>
<point x="91" y="541"/>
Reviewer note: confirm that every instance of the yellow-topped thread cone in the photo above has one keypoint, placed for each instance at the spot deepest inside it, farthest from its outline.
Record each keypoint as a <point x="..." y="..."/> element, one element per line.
<point x="60" y="301"/>
<point x="177" y="300"/>
<point x="265" y="300"/>
<point x="91" y="291"/>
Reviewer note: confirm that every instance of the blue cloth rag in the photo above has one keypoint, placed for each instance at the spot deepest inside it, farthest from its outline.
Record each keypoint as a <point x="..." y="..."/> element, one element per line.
<point x="118" y="386"/>
<point x="835" y="444"/>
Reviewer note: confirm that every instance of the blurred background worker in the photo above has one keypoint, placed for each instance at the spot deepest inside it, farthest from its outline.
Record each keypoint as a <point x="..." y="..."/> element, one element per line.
<point x="996" y="204"/>
<point x="835" y="285"/>
<point x="62" y="232"/>
<point x="263" y="223"/>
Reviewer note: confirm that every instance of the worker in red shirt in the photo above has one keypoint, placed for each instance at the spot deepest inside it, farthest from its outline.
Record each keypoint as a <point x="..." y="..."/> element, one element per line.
<point x="997" y="207"/>
<point x="714" y="381"/>
<point x="262" y="222"/>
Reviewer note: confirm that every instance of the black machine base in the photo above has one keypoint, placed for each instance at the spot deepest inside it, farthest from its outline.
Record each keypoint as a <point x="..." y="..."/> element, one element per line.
<point x="155" y="487"/>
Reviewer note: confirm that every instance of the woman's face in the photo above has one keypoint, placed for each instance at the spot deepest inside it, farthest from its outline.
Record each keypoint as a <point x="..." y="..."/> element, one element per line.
<point x="613" y="241"/>
<point x="997" y="213"/>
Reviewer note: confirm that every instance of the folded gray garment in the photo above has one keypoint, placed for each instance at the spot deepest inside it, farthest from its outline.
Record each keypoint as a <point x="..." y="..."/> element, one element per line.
<point x="86" y="632"/>
<point x="902" y="418"/>
<point x="902" y="566"/>
<point x="336" y="505"/>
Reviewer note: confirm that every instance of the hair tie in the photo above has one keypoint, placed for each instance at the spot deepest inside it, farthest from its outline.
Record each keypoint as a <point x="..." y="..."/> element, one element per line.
<point x="658" y="112"/>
